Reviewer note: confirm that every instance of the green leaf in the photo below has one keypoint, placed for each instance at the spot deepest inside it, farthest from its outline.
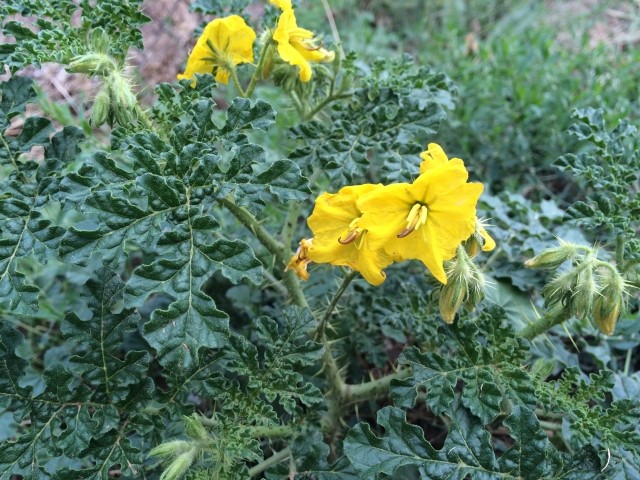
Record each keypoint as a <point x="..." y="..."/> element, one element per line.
<point x="276" y="375"/>
<point x="380" y="130"/>
<point x="11" y="366"/>
<point x="63" y="27"/>
<point x="241" y="115"/>
<point x="541" y="458"/>
<point x="310" y="454"/>
<point x="14" y="96"/>
<point x="467" y="452"/>
<point x="191" y="321"/>
<point x="490" y="373"/>
<point x="115" y="378"/>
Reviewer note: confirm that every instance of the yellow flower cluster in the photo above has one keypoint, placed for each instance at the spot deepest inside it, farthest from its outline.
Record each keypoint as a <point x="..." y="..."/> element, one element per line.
<point x="227" y="42"/>
<point x="368" y="227"/>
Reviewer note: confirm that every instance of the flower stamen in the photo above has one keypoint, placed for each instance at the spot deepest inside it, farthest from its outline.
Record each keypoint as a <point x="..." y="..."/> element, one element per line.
<point x="353" y="232"/>
<point x="416" y="218"/>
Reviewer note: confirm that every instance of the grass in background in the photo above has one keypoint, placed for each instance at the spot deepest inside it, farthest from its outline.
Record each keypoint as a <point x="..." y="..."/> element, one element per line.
<point x="521" y="68"/>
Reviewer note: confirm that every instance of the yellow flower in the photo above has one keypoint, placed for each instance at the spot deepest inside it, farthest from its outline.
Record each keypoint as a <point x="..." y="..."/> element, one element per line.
<point x="300" y="260"/>
<point x="425" y="220"/>
<point x="338" y="238"/>
<point x="435" y="157"/>
<point x="282" y="4"/>
<point x="224" y="43"/>
<point x="296" y="45"/>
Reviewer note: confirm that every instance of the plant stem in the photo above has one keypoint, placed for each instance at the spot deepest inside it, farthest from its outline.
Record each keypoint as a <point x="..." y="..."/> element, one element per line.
<point x="556" y="427"/>
<point x="272" y="460"/>
<point x="373" y="389"/>
<point x="276" y="431"/>
<point x="279" y="251"/>
<point x="258" y="71"/>
<point x="290" y="222"/>
<point x="544" y="323"/>
<point x="323" y="103"/>
<point x="320" y="330"/>
<point x="249" y="221"/>
<point x="236" y="82"/>
<point x="620" y="252"/>
<point x="627" y="361"/>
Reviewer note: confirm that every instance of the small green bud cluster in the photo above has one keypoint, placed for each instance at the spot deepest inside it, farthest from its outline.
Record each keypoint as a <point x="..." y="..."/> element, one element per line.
<point x="465" y="285"/>
<point x="115" y="102"/>
<point x="552" y="258"/>
<point x="182" y="453"/>
<point x="591" y="288"/>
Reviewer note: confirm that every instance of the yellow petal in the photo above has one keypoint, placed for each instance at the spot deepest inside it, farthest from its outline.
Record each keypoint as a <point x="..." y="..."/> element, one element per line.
<point x="295" y="45"/>
<point x="282" y="4"/>
<point x="385" y="211"/>
<point x="433" y="157"/>
<point x="224" y="42"/>
<point x="420" y="245"/>
<point x="489" y="243"/>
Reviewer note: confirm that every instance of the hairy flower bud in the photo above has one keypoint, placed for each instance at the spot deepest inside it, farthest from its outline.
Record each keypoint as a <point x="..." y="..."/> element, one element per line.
<point x="101" y="107"/>
<point x="171" y="449"/>
<point x="465" y="285"/>
<point x="552" y="258"/>
<point x="452" y="295"/>
<point x="92" y="64"/>
<point x="585" y="291"/>
<point x="269" y="61"/>
<point x="560" y="289"/>
<point x="476" y="288"/>
<point x="179" y="466"/>
<point x="194" y="428"/>
<point x="609" y="301"/>
<point x="123" y="100"/>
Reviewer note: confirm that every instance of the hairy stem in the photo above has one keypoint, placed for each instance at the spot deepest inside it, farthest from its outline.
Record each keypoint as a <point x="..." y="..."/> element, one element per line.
<point x="320" y="330"/>
<point x="550" y="319"/>
<point x="374" y="389"/>
<point x="276" y="431"/>
<point x="272" y="460"/>
<point x="236" y="82"/>
<point x="620" y="252"/>
<point x="279" y="251"/>
<point x="290" y="222"/>
<point x="263" y="236"/>
<point x="258" y="71"/>
<point x="323" y="103"/>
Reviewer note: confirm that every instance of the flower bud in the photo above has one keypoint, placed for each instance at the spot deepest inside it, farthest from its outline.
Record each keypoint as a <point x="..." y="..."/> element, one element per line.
<point x="101" y="107"/>
<point x="560" y="289"/>
<point x="552" y="258"/>
<point x="476" y="288"/>
<point x="465" y="285"/>
<point x="609" y="301"/>
<point x="171" y="449"/>
<point x="452" y="295"/>
<point x="269" y="61"/>
<point x="194" y="428"/>
<point x="585" y="291"/>
<point x="179" y="466"/>
<point x="92" y="64"/>
<point x="121" y="87"/>
<point x="123" y="101"/>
